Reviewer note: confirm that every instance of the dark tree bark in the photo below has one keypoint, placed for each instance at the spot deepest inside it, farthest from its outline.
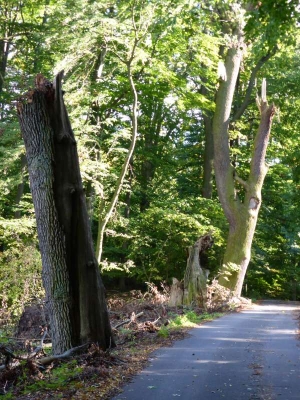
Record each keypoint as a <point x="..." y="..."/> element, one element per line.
<point x="208" y="156"/>
<point x="151" y="150"/>
<point x="208" y="159"/>
<point x="75" y="296"/>
<point x="4" y="51"/>
<point x="20" y="188"/>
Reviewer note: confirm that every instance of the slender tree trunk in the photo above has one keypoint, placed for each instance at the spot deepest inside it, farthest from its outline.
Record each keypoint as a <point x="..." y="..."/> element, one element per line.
<point x="147" y="173"/>
<point x="4" y="52"/>
<point x="106" y="214"/>
<point x="74" y="291"/>
<point x="20" y="188"/>
<point x="208" y="159"/>
<point x="150" y="151"/>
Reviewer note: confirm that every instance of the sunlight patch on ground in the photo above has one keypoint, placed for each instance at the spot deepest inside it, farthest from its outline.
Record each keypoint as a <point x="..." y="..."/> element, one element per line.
<point x="205" y="327"/>
<point x="280" y="307"/>
<point x="266" y="313"/>
<point x="281" y="331"/>
<point x="216" y="362"/>
<point x="247" y="340"/>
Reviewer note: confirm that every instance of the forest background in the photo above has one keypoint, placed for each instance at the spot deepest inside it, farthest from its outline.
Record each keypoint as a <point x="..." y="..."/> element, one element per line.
<point x="170" y="51"/>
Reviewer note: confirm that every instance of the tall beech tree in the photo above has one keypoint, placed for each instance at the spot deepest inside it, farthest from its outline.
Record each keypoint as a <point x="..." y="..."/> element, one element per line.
<point x="241" y="213"/>
<point x="74" y="291"/>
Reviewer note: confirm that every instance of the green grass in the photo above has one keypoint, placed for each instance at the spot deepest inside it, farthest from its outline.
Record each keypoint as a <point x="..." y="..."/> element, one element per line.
<point x="163" y="331"/>
<point x="189" y="319"/>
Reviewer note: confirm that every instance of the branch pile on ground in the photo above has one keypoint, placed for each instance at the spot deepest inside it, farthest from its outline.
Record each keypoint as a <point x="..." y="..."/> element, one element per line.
<point x="138" y="313"/>
<point x="220" y="298"/>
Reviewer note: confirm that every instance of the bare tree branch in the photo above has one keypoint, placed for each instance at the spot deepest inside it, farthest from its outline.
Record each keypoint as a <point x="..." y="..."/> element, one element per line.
<point x="240" y="180"/>
<point x="251" y="84"/>
<point x="41" y="361"/>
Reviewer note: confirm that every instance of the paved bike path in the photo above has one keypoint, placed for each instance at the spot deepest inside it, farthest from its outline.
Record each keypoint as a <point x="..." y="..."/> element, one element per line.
<point x="249" y="355"/>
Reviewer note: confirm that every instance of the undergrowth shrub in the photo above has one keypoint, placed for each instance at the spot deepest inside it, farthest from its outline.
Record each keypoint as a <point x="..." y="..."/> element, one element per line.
<point x="20" y="270"/>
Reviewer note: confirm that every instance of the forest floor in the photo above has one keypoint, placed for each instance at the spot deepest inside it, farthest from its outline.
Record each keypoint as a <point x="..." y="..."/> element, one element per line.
<point x="141" y="324"/>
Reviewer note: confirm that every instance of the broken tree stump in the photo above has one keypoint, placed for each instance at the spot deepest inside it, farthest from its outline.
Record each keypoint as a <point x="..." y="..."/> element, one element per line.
<point x="193" y="289"/>
<point x="195" y="277"/>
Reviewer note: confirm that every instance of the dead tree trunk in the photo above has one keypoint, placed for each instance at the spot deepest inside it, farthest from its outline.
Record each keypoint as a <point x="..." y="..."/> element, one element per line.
<point x="192" y="291"/>
<point x="75" y="295"/>
<point x="195" y="277"/>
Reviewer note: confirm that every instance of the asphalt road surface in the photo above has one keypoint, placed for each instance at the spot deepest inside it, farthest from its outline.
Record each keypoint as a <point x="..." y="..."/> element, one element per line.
<point x="250" y="355"/>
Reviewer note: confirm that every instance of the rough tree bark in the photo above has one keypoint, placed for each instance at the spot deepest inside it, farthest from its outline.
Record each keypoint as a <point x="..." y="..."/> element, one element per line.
<point x="241" y="215"/>
<point x="75" y="297"/>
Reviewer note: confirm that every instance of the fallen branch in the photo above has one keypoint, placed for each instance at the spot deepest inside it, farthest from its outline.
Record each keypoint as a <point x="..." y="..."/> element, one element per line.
<point x="127" y="321"/>
<point x="41" y="361"/>
<point x="9" y="355"/>
<point x="40" y="347"/>
<point x="67" y="354"/>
